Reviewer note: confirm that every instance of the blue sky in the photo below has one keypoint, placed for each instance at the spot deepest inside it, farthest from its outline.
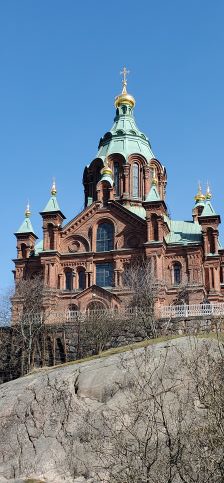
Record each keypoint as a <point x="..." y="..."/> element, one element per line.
<point x="60" y="64"/>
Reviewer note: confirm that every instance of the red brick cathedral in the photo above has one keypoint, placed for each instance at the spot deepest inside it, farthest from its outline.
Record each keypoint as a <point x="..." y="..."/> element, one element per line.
<point x="125" y="217"/>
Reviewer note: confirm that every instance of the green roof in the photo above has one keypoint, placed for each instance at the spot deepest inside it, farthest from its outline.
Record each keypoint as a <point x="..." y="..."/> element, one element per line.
<point x="38" y="247"/>
<point x="26" y="227"/>
<point x="183" y="232"/>
<point x="153" y="194"/>
<point x="52" y="205"/>
<point x="208" y="209"/>
<point x="137" y="210"/>
<point x="124" y="137"/>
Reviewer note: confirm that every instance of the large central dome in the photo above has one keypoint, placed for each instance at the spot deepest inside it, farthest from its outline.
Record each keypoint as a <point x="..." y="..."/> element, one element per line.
<point x="124" y="137"/>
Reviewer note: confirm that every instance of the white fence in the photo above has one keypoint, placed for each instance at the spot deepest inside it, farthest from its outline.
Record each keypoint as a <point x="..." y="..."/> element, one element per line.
<point x="199" y="310"/>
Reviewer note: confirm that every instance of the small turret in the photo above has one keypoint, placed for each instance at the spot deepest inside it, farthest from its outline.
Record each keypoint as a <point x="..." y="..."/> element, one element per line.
<point x="199" y="203"/>
<point x="25" y="236"/>
<point x="52" y="221"/>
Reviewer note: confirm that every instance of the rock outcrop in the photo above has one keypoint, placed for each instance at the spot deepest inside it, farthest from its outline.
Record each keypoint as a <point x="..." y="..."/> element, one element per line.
<point x="41" y="433"/>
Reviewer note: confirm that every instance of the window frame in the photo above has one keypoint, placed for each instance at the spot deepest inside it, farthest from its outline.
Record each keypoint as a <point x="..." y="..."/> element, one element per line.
<point x="104" y="243"/>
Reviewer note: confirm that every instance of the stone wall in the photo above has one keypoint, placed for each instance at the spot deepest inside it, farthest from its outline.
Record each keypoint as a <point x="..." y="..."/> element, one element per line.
<point x="57" y="344"/>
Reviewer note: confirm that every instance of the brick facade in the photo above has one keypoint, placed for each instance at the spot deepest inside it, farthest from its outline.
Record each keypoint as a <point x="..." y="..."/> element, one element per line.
<point x="125" y="217"/>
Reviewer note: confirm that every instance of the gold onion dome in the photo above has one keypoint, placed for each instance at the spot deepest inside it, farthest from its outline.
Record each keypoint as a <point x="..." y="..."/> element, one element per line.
<point x="208" y="195"/>
<point x="199" y="196"/>
<point x="53" y="189"/>
<point x="124" y="97"/>
<point x="106" y="170"/>
<point x="27" y="211"/>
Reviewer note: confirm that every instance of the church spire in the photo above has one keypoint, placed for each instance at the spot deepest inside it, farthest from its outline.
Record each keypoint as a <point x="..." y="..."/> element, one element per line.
<point x="52" y="205"/>
<point x="199" y="197"/>
<point x="208" y="195"/>
<point x="124" y="97"/>
<point x="26" y="226"/>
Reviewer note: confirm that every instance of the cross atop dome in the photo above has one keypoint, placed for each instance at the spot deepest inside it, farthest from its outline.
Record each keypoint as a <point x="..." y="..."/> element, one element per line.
<point x="124" y="72"/>
<point x="124" y="97"/>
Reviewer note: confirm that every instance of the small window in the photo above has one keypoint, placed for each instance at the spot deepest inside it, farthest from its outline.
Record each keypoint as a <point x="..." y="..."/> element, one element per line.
<point x="176" y="273"/>
<point x="69" y="280"/>
<point x="105" y="237"/>
<point x="104" y="274"/>
<point x="135" y="180"/>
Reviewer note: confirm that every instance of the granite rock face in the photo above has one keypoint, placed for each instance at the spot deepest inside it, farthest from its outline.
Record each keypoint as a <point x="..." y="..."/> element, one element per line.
<point x="41" y="433"/>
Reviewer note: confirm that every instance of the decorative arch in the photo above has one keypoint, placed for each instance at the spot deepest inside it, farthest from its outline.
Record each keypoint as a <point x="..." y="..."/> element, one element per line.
<point x="76" y="243"/>
<point x="96" y="305"/>
<point x="91" y="178"/>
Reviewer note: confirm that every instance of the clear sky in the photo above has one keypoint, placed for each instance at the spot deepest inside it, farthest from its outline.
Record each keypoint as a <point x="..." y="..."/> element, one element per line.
<point x="59" y="72"/>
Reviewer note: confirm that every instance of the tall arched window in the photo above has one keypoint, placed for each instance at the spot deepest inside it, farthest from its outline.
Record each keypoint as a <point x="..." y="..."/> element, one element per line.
<point x="176" y="273"/>
<point x="135" y="180"/>
<point x="211" y="241"/>
<point x="155" y="231"/>
<point x="82" y="279"/>
<point x="68" y="280"/>
<point x="51" y="236"/>
<point x="116" y="178"/>
<point x="105" y="237"/>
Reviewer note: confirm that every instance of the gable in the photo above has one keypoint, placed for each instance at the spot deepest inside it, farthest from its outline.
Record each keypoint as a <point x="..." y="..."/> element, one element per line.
<point x="79" y="234"/>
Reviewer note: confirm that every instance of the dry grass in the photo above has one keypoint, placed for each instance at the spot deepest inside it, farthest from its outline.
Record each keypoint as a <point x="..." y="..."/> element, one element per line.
<point x="126" y="348"/>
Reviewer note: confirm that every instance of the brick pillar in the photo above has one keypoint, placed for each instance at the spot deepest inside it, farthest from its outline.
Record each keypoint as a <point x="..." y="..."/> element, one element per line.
<point x="146" y="181"/>
<point x="87" y="279"/>
<point x="126" y="181"/>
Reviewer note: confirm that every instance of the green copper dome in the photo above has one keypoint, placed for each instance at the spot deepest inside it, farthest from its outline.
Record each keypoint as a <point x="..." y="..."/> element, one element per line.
<point x="124" y="137"/>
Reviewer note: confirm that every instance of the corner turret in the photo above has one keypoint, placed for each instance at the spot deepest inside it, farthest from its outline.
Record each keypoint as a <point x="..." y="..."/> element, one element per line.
<point x="25" y="236"/>
<point x="52" y="222"/>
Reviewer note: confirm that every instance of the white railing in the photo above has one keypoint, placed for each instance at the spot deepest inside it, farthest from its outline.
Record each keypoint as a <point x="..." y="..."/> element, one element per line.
<point x="194" y="310"/>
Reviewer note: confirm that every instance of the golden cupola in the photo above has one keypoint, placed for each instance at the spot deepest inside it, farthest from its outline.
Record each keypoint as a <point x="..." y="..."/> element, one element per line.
<point x="124" y="97"/>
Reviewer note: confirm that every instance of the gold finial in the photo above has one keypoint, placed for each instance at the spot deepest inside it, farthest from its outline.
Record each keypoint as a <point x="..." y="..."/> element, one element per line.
<point x="199" y="196"/>
<point x="154" y="178"/>
<point x="124" y="72"/>
<point x="208" y="192"/>
<point x="106" y="169"/>
<point x="124" y="97"/>
<point x="27" y="210"/>
<point x="53" y="188"/>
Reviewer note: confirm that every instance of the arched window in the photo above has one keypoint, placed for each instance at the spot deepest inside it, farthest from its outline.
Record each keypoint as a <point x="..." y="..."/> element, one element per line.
<point x="104" y="274"/>
<point x="23" y="250"/>
<point x="95" y="305"/>
<point x="135" y="180"/>
<point x="176" y="273"/>
<point x="211" y="241"/>
<point x="68" y="280"/>
<point x="51" y="236"/>
<point x="105" y="237"/>
<point x="155" y="231"/>
<point x="82" y="279"/>
<point x="116" y="178"/>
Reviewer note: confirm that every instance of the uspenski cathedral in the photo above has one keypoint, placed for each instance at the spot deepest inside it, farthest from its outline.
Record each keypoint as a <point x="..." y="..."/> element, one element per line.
<point x="125" y="217"/>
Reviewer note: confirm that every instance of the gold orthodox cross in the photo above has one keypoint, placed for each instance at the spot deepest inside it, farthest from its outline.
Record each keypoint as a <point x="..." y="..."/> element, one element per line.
<point x="124" y="72"/>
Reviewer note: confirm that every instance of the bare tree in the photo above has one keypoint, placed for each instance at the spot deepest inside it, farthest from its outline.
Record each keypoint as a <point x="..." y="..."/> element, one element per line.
<point x="139" y="278"/>
<point x="165" y="427"/>
<point x="28" y="327"/>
